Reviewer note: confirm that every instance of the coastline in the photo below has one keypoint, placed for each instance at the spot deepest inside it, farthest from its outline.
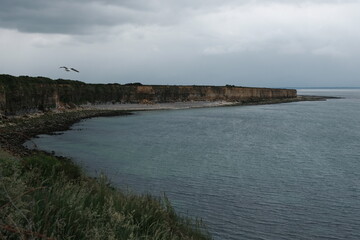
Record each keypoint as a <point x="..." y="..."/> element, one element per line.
<point x="198" y="104"/>
<point x="15" y="131"/>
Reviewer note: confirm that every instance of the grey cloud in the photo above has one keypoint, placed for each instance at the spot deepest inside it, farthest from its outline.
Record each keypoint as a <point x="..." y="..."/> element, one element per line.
<point x="68" y="17"/>
<point x="82" y="16"/>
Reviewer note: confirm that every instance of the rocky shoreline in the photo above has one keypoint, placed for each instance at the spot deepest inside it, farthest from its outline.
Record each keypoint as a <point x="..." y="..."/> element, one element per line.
<point x="199" y="104"/>
<point x="299" y="98"/>
<point x="14" y="132"/>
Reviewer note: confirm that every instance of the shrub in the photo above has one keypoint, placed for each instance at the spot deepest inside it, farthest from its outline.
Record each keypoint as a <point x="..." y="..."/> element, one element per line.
<point x="51" y="165"/>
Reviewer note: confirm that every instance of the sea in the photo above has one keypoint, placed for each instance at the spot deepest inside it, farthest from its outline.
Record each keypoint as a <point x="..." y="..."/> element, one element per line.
<point x="265" y="172"/>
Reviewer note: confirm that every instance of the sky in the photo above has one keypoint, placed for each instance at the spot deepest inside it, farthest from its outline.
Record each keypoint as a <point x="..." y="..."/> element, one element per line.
<point x="260" y="43"/>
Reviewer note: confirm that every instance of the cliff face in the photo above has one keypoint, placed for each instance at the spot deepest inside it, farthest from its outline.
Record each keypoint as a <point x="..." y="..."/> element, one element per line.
<point x="29" y="94"/>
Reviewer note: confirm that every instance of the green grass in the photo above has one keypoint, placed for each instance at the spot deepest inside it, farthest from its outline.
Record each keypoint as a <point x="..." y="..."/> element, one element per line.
<point x="44" y="197"/>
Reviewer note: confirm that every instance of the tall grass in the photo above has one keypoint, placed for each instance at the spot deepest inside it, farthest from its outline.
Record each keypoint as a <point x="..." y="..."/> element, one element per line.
<point x="43" y="197"/>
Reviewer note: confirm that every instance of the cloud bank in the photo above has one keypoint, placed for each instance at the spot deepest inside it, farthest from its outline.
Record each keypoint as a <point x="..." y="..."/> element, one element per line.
<point x="255" y="43"/>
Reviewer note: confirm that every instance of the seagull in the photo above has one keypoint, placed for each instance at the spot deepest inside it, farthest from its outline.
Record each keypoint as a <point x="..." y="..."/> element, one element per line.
<point x="68" y="69"/>
<point x="65" y="68"/>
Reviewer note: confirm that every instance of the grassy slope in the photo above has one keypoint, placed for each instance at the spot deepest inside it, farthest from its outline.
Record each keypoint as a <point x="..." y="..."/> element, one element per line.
<point x="46" y="197"/>
<point x="43" y="196"/>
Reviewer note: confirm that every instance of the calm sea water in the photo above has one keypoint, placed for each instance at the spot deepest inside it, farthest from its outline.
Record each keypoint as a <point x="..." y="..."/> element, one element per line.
<point x="285" y="171"/>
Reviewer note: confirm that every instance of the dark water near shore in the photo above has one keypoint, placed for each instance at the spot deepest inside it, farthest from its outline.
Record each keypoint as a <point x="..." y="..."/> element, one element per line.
<point x="284" y="171"/>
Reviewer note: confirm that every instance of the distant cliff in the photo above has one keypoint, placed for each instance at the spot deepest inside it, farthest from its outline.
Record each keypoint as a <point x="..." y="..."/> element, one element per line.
<point x="30" y="94"/>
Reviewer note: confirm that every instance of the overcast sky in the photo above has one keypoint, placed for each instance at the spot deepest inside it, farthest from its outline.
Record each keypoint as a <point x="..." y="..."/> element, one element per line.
<point x="269" y="43"/>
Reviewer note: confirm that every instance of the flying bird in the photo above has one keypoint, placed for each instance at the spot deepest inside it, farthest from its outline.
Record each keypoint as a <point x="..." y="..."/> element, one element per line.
<point x="65" y="68"/>
<point x="68" y="69"/>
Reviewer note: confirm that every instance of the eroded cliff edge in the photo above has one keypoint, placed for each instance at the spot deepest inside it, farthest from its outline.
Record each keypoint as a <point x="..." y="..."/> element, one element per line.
<point x="25" y="94"/>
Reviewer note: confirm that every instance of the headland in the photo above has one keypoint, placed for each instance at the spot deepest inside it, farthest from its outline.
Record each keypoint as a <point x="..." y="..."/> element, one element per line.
<point x="22" y="95"/>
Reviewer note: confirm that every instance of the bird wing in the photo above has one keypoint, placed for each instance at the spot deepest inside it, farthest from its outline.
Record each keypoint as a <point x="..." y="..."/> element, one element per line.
<point x="74" y="69"/>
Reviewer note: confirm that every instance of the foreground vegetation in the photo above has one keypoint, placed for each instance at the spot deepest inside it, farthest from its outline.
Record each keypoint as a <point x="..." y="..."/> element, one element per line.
<point x="44" y="197"/>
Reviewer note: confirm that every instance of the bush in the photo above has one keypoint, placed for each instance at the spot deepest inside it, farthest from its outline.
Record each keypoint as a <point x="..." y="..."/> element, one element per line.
<point x="51" y="166"/>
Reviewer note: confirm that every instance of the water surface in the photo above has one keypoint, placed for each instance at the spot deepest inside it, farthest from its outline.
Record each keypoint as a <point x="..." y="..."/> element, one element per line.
<point x="284" y="171"/>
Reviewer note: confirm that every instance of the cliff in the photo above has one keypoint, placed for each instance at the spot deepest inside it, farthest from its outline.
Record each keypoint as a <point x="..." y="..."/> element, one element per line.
<point x="25" y="94"/>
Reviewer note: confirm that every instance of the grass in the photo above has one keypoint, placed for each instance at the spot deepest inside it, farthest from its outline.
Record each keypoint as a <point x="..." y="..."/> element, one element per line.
<point x="44" y="197"/>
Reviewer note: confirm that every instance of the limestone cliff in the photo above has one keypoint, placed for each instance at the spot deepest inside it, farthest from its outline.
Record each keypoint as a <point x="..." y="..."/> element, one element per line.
<point x="29" y="94"/>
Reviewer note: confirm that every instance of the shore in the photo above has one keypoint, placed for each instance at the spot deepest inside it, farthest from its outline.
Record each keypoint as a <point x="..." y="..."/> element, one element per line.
<point x="15" y="131"/>
<point x="197" y="104"/>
